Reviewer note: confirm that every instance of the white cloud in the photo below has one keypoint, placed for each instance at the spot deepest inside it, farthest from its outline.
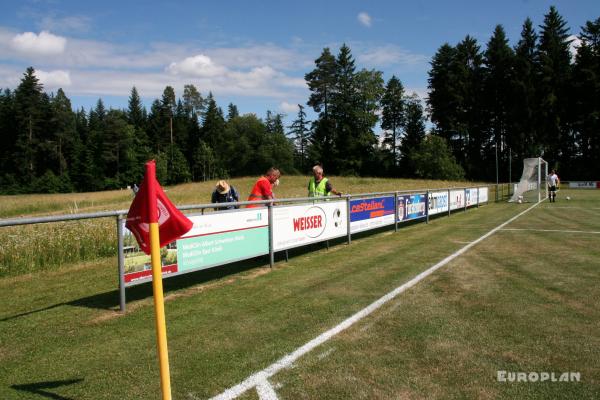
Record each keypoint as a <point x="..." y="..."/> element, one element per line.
<point x="65" y="24"/>
<point x="43" y="44"/>
<point x="575" y="43"/>
<point x="103" y="68"/>
<point x="199" y="65"/>
<point x="260" y="55"/>
<point x="389" y="55"/>
<point x="288" y="107"/>
<point x="54" y="79"/>
<point x="364" y="19"/>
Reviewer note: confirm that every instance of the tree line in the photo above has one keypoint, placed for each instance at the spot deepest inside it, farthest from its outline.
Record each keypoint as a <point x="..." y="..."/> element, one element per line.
<point x="487" y="108"/>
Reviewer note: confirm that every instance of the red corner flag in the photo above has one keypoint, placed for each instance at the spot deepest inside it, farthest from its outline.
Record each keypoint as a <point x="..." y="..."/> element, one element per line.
<point x="172" y="223"/>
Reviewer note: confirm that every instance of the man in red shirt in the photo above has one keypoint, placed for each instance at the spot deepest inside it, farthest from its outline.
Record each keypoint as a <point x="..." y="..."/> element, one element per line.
<point x="262" y="189"/>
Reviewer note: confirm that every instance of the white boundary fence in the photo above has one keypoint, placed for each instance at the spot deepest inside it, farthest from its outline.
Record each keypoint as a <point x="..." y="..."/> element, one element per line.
<point x="224" y="237"/>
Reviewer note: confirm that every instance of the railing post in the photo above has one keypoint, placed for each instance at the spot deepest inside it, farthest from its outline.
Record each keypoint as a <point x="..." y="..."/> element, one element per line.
<point x="477" y="196"/>
<point x="271" y="252"/>
<point x="348" y="218"/>
<point x="427" y="207"/>
<point x="449" y="201"/>
<point x="121" y="262"/>
<point x="465" y="198"/>
<point x="396" y="212"/>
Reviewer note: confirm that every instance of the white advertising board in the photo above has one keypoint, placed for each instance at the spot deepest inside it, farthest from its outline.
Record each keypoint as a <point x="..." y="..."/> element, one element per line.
<point x="471" y="196"/>
<point x="228" y="221"/>
<point x="584" y="185"/>
<point x="457" y="199"/>
<point x="438" y="202"/>
<point x="299" y="225"/>
<point x="483" y="195"/>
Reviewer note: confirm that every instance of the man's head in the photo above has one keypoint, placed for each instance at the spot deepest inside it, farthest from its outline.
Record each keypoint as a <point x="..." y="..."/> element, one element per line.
<point x="272" y="174"/>
<point x="552" y="172"/>
<point x="222" y="187"/>
<point x="318" y="172"/>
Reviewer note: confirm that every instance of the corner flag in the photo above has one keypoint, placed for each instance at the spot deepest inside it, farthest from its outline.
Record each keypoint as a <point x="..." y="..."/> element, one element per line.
<point x="171" y="222"/>
<point x="155" y="222"/>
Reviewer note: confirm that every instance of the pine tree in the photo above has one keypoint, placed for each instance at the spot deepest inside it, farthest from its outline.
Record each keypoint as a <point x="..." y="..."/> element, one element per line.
<point x="585" y="104"/>
<point x="414" y="132"/>
<point x="554" y="77"/>
<point x="498" y="61"/>
<point x="278" y="149"/>
<point x="232" y="111"/>
<point x="213" y="126"/>
<point x="321" y="82"/>
<point x="300" y="134"/>
<point x="8" y="138"/>
<point x="469" y="133"/>
<point x="443" y="100"/>
<point x="135" y="113"/>
<point x="523" y="106"/>
<point x="393" y="115"/>
<point x="66" y="139"/>
<point x="31" y="107"/>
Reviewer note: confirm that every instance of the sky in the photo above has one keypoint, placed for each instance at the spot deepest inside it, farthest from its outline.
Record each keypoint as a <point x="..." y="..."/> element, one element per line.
<point x="253" y="54"/>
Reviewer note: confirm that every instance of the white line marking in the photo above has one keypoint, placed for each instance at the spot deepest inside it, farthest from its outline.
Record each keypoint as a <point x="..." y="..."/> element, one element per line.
<point x="265" y="391"/>
<point x="258" y="378"/>
<point x="575" y="208"/>
<point x="549" y="230"/>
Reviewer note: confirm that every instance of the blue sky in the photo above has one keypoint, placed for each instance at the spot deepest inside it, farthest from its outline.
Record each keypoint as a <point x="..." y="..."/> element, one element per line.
<point x="252" y="53"/>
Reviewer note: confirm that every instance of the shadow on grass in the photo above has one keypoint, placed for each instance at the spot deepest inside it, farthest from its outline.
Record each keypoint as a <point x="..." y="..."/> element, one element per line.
<point x="110" y="300"/>
<point x="41" y="388"/>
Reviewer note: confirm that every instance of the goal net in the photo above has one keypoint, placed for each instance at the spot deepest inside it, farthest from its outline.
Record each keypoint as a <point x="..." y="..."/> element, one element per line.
<point x="532" y="186"/>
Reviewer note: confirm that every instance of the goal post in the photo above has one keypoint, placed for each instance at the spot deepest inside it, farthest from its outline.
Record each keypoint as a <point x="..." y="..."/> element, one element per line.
<point x="532" y="186"/>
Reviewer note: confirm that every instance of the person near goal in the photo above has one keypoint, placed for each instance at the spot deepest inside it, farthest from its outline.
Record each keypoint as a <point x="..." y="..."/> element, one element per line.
<point x="553" y="182"/>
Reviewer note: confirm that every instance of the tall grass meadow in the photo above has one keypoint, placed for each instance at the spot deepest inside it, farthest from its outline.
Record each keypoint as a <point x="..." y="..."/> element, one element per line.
<point x="42" y="247"/>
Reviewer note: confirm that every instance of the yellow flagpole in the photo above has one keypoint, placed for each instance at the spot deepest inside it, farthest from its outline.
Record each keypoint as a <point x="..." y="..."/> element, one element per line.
<point x="159" y="311"/>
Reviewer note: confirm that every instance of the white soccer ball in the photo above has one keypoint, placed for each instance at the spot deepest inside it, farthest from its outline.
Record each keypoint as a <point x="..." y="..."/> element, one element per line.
<point x="568" y="198"/>
<point x="520" y="199"/>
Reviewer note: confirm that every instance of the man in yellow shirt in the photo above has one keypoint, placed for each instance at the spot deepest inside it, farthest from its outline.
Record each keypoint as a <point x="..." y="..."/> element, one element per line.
<point x="319" y="185"/>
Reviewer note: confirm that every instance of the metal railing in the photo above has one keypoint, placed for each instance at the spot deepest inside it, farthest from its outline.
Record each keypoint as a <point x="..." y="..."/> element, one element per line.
<point x="121" y="215"/>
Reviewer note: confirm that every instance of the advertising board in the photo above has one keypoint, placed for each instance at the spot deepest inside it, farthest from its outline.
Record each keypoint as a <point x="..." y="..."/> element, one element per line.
<point x="457" y="199"/>
<point x="471" y="196"/>
<point x="214" y="239"/>
<point x="585" y="185"/>
<point x="299" y="225"/>
<point x="483" y="195"/>
<point x="438" y="202"/>
<point x="412" y="206"/>
<point x="371" y="213"/>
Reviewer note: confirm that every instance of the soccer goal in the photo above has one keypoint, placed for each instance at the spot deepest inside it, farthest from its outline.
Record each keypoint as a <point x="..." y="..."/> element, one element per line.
<point x="532" y="186"/>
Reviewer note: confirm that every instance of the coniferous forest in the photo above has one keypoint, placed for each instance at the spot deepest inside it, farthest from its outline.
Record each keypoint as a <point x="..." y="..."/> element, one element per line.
<point x="487" y="103"/>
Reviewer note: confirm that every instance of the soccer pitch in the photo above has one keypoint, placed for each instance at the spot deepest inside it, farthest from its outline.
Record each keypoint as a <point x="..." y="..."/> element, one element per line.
<point x="523" y="299"/>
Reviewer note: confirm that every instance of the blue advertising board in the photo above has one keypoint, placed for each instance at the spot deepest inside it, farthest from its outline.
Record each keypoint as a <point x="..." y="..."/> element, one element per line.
<point x="412" y="206"/>
<point x="371" y="213"/>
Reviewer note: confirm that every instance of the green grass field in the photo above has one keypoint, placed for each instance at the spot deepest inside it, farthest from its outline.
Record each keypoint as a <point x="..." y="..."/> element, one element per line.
<point x="524" y="299"/>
